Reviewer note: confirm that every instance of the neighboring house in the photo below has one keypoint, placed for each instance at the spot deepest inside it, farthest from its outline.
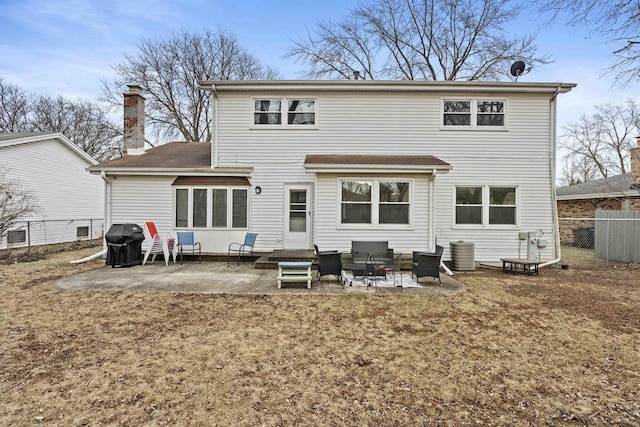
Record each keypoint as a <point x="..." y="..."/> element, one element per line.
<point x="69" y="202"/>
<point x="328" y="162"/>
<point x="580" y="202"/>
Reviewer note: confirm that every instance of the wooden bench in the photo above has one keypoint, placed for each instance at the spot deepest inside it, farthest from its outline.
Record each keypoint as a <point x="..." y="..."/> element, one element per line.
<point x="294" y="272"/>
<point x="520" y="265"/>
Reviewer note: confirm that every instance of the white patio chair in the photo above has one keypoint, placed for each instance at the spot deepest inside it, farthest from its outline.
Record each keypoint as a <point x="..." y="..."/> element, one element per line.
<point x="159" y="243"/>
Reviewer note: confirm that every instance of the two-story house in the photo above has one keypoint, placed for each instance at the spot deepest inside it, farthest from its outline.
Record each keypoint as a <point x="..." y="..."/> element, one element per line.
<point x="328" y="162"/>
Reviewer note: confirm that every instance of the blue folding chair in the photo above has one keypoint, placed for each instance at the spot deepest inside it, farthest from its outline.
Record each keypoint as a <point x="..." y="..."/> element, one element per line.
<point x="242" y="249"/>
<point x="187" y="238"/>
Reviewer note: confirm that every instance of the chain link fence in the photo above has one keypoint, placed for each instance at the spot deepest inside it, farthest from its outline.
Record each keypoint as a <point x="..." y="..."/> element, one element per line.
<point x="24" y="238"/>
<point x="611" y="235"/>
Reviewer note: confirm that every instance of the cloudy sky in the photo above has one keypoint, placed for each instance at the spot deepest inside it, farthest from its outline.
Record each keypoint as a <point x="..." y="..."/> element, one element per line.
<point x="66" y="47"/>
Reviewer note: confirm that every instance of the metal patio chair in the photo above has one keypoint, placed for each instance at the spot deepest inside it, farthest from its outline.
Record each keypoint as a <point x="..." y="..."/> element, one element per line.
<point x="187" y="238"/>
<point x="242" y="249"/>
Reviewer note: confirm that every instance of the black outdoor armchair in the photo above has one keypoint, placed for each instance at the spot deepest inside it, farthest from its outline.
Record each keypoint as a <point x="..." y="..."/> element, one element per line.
<point x="427" y="264"/>
<point x="329" y="263"/>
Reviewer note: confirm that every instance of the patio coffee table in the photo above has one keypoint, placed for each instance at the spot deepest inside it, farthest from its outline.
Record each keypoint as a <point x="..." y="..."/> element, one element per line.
<point x="359" y="269"/>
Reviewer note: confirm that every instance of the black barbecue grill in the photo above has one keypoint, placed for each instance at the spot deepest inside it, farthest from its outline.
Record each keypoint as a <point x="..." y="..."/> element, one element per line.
<point x="124" y="245"/>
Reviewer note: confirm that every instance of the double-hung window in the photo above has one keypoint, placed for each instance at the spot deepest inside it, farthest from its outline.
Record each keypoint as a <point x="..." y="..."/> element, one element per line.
<point x="212" y="207"/>
<point x="474" y="113"/>
<point x="486" y="206"/>
<point x="378" y="202"/>
<point x="284" y="112"/>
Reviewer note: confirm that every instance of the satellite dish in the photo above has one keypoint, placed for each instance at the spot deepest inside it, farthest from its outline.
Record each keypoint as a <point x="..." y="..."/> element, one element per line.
<point x="517" y="69"/>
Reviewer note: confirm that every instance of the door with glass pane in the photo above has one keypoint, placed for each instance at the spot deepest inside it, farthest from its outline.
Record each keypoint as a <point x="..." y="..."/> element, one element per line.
<point x="297" y="227"/>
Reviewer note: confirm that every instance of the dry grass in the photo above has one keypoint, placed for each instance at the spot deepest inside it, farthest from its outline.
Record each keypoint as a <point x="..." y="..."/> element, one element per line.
<point x="561" y="348"/>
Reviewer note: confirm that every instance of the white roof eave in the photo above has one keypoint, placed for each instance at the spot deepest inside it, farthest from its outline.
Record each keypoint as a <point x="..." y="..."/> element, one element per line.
<point x="359" y="168"/>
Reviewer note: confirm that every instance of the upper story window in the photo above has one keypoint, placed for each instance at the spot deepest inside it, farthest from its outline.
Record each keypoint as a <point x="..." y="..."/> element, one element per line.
<point x="486" y="205"/>
<point x="267" y="111"/>
<point x="474" y="113"/>
<point x="298" y="112"/>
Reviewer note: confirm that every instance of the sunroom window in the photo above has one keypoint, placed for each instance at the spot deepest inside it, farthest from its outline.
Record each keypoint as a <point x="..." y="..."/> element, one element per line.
<point x="211" y="207"/>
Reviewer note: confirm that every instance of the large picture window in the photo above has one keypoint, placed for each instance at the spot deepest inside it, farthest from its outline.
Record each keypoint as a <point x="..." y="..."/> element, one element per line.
<point x="486" y="205"/>
<point x="212" y="207"/>
<point x="375" y="202"/>
<point x="474" y="113"/>
<point x="300" y="112"/>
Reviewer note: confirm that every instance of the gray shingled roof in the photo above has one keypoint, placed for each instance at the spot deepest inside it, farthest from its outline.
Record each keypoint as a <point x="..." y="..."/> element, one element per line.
<point x="606" y="187"/>
<point x="8" y="136"/>
<point x="173" y="155"/>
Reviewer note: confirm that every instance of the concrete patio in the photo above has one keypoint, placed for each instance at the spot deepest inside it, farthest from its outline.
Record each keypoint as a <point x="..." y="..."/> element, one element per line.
<point x="218" y="278"/>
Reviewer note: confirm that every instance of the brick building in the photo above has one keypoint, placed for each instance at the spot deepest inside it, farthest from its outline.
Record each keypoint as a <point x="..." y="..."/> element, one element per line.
<point x="620" y="192"/>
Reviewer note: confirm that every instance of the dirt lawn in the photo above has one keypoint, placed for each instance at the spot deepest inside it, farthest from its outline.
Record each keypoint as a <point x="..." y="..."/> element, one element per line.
<point x="559" y="349"/>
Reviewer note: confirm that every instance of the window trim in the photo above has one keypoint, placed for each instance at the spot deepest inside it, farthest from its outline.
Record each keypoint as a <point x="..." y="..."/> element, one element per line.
<point x="485" y="208"/>
<point x="375" y="203"/>
<point x="284" y="113"/>
<point x="474" y="114"/>
<point x="209" y="214"/>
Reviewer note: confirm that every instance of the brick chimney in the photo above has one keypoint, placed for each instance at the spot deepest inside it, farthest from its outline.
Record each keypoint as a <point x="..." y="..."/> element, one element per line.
<point x="635" y="164"/>
<point x="134" y="121"/>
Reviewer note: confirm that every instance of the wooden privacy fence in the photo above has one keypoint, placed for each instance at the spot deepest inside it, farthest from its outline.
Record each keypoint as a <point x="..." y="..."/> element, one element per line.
<point x="617" y="236"/>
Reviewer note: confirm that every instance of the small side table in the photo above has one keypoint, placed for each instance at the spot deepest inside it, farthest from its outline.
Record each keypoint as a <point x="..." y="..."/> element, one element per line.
<point x="520" y="265"/>
<point x="294" y="272"/>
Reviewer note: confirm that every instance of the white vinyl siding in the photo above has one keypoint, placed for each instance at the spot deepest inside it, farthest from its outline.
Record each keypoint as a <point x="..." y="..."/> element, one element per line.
<point x="405" y="123"/>
<point x="66" y="196"/>
<point x="57" y="178"/>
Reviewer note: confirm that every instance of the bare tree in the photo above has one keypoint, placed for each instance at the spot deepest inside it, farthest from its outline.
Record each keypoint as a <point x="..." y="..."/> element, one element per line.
<point x="602" y="141"/>
<point x="16" y="203"/>
<point x="418" y="40"/>
<point x="169" y="71"/>
<point x="618" y="20"/>
<point x="83" y="122"/>
<point x="577" y="170"/>
<point x="14" y="107"/>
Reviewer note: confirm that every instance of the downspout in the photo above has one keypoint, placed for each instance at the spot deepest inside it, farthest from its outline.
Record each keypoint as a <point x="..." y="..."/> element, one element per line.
<point x="107" y="204"/>
<point x="214" y="106"/>
<point x="432" y="219"/>
<point x="552" y="169"/>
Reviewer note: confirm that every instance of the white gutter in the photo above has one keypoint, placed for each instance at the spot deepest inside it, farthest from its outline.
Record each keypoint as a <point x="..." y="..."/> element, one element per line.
<point x="107" y="205"/>
<point x="214" y="105"/>
<point x="552" y="170"/>
<point x="432" y="216"/>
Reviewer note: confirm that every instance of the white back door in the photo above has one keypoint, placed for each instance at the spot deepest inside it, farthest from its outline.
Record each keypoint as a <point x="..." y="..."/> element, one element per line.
<point x="297" y="218"/>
